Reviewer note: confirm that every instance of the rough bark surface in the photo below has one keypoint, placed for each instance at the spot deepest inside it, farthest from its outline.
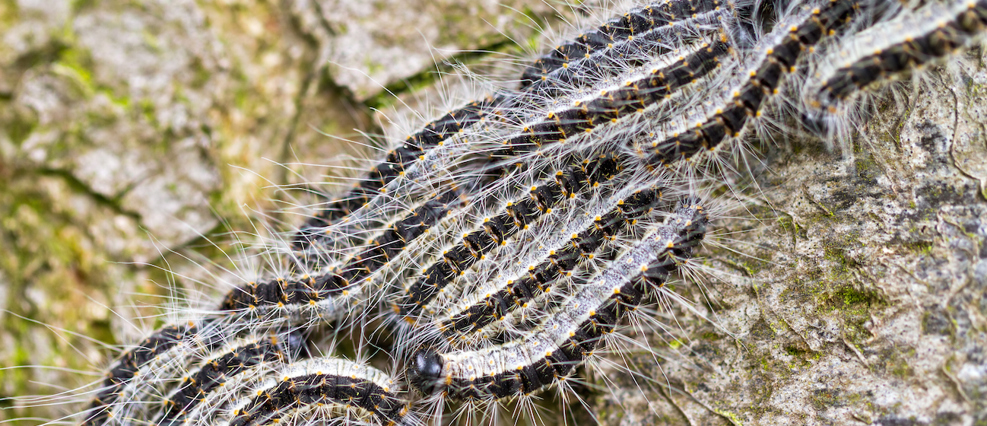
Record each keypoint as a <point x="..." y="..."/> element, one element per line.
<point x="852" y="292"/>
<point x="845" y="291"/>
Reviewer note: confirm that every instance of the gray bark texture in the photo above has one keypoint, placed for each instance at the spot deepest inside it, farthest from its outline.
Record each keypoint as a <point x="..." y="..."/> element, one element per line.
<point x="846" y="286"/>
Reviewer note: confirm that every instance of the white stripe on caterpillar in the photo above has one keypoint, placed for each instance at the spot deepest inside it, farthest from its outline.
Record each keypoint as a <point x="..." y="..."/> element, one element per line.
<point x="551" y="353"/>
<point x="149" y="368"/>
<point x="883" y="52"/>
<point x="339" y="388"/>
<point x="491" y="304"/>
<point x="223" y="370"/>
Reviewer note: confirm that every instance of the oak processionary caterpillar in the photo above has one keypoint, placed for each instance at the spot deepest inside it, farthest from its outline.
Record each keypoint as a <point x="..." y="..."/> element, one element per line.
<point x="891" y="48"/>
<point x="224" y="372"/>
<point x="552" y="352"/>
<point x="539" y="213"/>
<point x="326" y="389"/>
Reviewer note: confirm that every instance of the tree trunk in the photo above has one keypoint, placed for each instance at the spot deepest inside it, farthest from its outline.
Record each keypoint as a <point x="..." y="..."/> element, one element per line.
<point x="842" y="288"/>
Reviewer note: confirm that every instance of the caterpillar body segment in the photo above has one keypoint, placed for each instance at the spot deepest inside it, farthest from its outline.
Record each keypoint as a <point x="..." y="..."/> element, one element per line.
<point x="552" y="352"/>
<point x="517" y="216"/>
<point x="334" y="295"/>
<point x="225" y="368"/>
<point x="778" y="60"/>
<point x="323" y="389"/>
<point x="583" y="244"/>
<point x="911" y="40"/>
<point x="431" y="135"/>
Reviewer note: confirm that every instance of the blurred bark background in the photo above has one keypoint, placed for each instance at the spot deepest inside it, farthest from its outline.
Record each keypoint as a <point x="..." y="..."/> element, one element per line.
<point x="132" y="133"/>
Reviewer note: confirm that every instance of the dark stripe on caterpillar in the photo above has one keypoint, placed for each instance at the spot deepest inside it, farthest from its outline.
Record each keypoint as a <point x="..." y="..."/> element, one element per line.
<point x="335" y="385"/>
<point x="215" y="372"/>
<point x="624" y="37"/>
<point x="311" y="292"/>
<point x="540" y="278"/>
<point x="966" y="20"/>
<point x="620" y="43"/>
<point x="517" y="215"/>
<point x="763" y="83"/>
<point x="126" y="370"/>
<point x="552" y="353"/>
<point x="606" y="108"/>
<point x="430" y="136"/>
<point x="610" y="105"/>
<point x="621" y="40"/>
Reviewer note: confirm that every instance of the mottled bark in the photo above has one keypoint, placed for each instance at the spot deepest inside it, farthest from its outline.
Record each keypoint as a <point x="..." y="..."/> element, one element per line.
<point x="853" y="291"/>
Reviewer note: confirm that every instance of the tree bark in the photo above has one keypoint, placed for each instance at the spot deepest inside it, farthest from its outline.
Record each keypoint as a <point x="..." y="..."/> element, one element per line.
<point x="839" y="287"/>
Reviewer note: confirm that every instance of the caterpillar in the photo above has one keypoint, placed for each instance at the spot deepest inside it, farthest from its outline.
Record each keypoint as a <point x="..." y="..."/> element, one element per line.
<point x="323" y="389"/>
<point x="517" y="216"/>
<point x="528" y="365"/>
<point x="225" y="371"/>
<point x="161" y="353"/>
<point x="583" y="244"/>
<point x="905" y="43"/>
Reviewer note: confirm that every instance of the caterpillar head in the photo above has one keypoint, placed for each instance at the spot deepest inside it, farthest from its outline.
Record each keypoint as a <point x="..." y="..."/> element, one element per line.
<point x="426" y="371"/>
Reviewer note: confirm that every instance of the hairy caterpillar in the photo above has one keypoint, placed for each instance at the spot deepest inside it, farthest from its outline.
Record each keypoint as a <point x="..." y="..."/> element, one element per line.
<point x="551" y="353"/>
<point x="318" y="390"/>
<point x="540" y="278"/>
<point x="910" y="41"/>
<point x="517" y="216"/>
<point x="226" y="370"/>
